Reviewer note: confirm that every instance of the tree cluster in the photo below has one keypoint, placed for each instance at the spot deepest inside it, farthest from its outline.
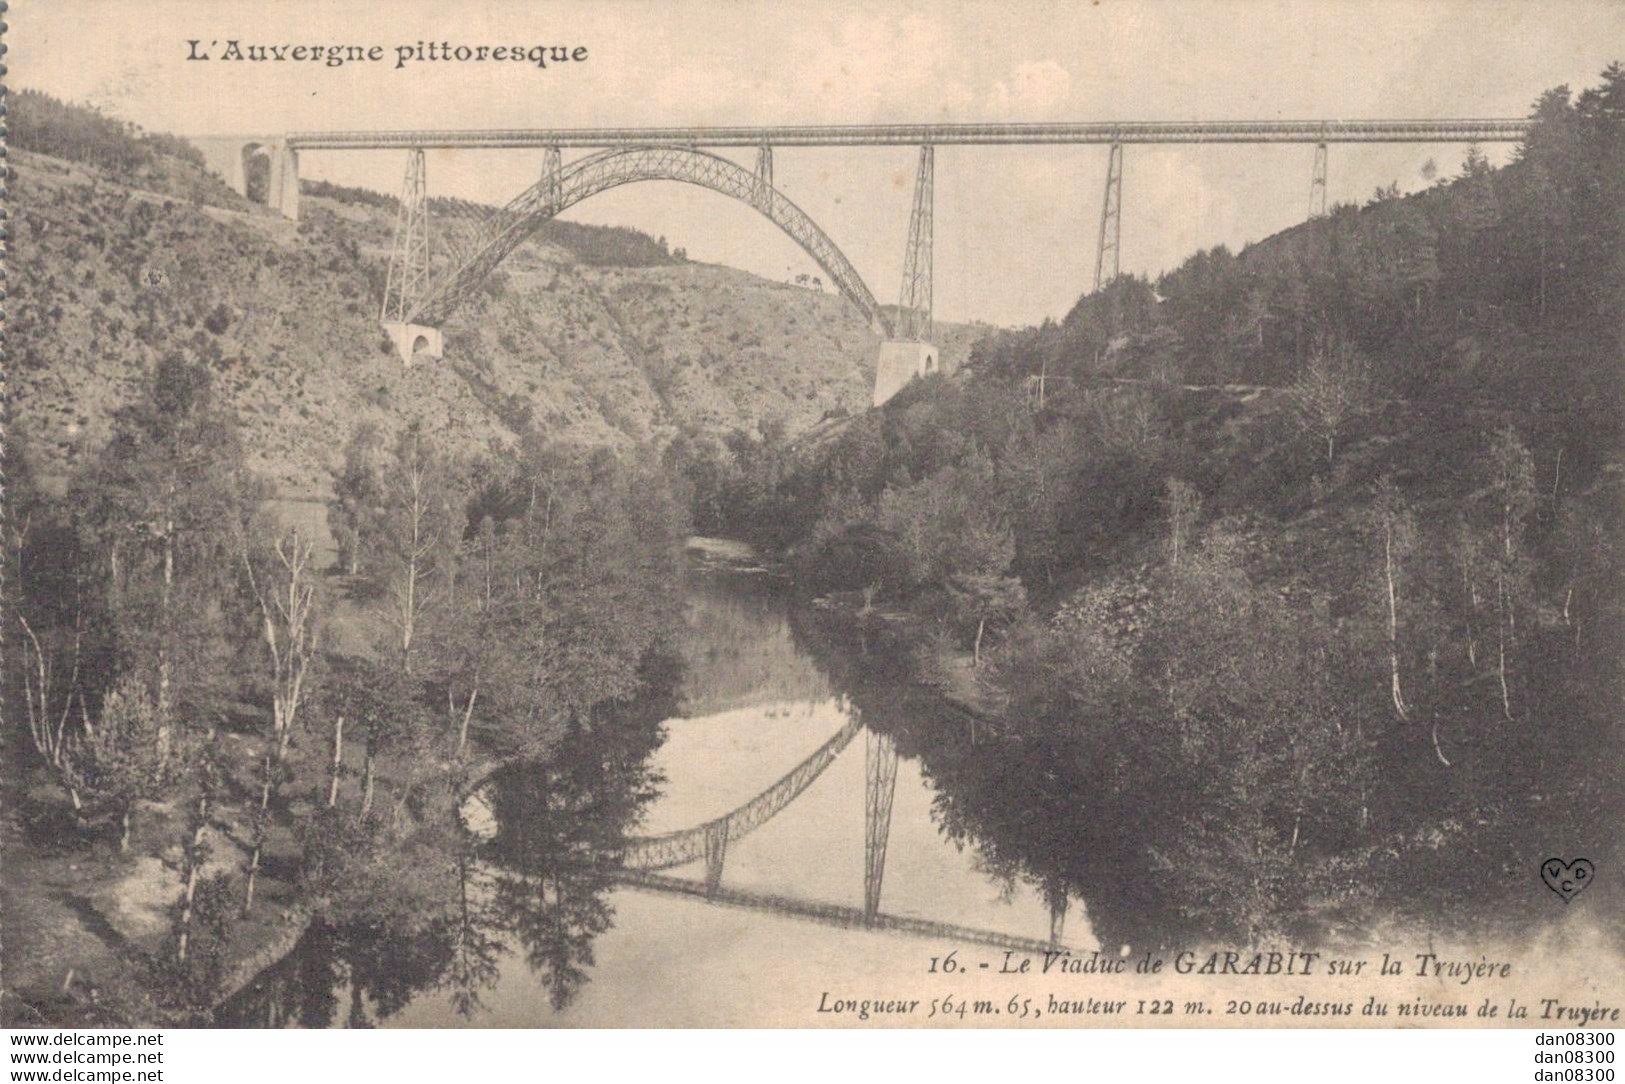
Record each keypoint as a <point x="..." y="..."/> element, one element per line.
<point x="160" y="600"/>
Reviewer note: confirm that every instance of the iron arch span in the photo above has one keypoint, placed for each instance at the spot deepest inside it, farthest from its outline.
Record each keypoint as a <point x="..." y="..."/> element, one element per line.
<point x="587" y="177"/>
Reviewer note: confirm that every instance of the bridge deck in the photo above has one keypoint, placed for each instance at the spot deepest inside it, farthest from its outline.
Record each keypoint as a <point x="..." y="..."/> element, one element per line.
<point x="829" y="914"/>
<point x="1481" y="130"/>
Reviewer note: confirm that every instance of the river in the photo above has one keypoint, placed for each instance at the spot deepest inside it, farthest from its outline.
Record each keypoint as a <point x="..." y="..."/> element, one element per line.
<point x="789" y="821"/>
<point x="773" y="726"/>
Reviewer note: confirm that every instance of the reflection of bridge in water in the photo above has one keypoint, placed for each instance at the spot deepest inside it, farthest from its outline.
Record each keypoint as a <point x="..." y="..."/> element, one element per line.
<point x="642" y="858"/>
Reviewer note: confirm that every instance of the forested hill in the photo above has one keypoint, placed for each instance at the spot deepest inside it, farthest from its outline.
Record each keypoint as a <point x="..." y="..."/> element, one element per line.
<point x="1492" y="286"/>
<point x="1491" y="297"/>
<point x="1322" y="538"/>
<point x="126" y="252"/>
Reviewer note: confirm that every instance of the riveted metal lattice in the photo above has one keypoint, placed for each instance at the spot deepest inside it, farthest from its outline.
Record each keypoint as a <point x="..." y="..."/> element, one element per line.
<point x="914" y="299"/>
<point x="762" y="194"/>
<point x="710" y="840"/>
<point x="716" y="852"/>
<point x="1111" y="220"/>
<point x="553" y="174"/>
<point x="880" y="764"/>
<point x="608" y="169"/>
<point x="1055" y="895"/>
<point x="1317" y="183"/>
<point x="408" y="280"/>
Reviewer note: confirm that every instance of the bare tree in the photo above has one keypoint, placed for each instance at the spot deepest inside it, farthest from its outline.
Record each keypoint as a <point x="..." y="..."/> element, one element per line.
<point x="470" y="640"/>
<point x="1467" y="559"/>
<point x="356" y="496"/>
<point x="195" y="850"/>
<point x="1183" y="505"/>
<point x="1330" y="391"/>
<point x="1512" y="487"/>
<point x="284" y="589"/>
<point x="48" y="726"/>
<point x="44" y="573"/>
<point x="336" y="768"/>
<point x="420" y="528"/>
<point x="1393" y="526"/>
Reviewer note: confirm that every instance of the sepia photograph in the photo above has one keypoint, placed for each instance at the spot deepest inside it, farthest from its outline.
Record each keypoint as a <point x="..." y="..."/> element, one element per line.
<point x="716" y="514"/>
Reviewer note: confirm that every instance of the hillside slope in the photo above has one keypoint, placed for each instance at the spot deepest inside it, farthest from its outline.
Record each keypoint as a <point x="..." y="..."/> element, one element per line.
<point x="109" y="278"/>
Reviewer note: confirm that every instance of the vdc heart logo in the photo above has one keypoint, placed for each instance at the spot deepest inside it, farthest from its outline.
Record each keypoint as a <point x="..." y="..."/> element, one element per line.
<point x="1567" y="879"/>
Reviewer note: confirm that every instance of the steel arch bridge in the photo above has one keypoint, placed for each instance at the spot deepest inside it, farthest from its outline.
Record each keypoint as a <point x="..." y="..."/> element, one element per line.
<point x="562" y="188"/>
<point x="418" y="299"/>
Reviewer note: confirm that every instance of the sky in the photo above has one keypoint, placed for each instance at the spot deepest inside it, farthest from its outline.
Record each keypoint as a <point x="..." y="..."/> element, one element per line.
<point x="1015" y="227"/>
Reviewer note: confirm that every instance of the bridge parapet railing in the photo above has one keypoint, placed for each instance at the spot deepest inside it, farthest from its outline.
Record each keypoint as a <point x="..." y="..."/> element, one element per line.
<point x="1335" y="130"/>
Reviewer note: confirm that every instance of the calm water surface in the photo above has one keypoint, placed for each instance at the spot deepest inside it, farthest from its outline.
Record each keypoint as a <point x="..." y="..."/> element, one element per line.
<point x="547" y="942"/>
<point x="585" y="889"/>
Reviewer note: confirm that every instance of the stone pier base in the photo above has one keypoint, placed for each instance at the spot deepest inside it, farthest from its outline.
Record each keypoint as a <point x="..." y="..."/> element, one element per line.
<point x="899" y="363"/>
<point x="410" y="339"/>
<point x="283" y="193"/>
<point x="229" y="156"/>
